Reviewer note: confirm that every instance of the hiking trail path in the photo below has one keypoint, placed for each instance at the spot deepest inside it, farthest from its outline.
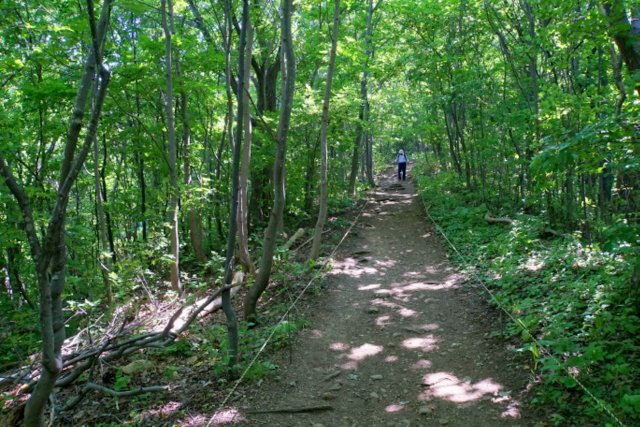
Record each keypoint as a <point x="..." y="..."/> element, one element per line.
<point x="398" y="337"/>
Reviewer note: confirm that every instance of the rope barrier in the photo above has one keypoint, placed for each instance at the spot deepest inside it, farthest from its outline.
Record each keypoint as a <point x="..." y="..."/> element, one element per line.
<point x="285" y="316"/>
<point x="541" y="348"/>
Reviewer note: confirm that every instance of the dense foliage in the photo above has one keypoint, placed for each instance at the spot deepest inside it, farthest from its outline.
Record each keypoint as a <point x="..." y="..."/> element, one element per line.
<point x="523" y="109"/>
<point x="565" y="302"/>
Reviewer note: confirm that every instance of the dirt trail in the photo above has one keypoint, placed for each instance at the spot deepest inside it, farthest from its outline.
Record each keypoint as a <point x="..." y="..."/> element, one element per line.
<point x="396" y="338"/>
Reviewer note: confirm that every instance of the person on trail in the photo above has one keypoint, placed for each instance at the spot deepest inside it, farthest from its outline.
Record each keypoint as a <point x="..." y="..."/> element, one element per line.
<point x="401" y="160"/>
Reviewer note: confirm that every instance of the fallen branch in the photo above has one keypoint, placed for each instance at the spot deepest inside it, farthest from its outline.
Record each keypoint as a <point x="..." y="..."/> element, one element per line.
<point x="293" y="239"/>
<point x="498" y="220"/>
<point x="110" y="349"/>
<point x="551" y="231"/>
<point x="310" y="239"/>
<point x="203" y="307"/>
<point x="292" y="410"/>
<point x="125" y="393"/>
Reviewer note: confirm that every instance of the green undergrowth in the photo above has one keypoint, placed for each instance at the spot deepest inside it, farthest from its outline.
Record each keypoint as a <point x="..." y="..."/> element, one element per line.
<point x="573" y="305"/>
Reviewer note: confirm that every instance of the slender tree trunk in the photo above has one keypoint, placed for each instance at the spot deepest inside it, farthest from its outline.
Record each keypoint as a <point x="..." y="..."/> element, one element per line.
<point x="269" y="245"/>
<point x="105" y="256"/>
<point x="364" y="92"/>
<point x="355" y="157"/>
<point x="232" y="320"/>
<point x="195" y="223"/>
<point x="49" y="253"/>
<point x="310" y="172"/>
<point x="324" y="125"/>
<point x="625" y="34"/>
<point x="244" y="256"/>
<point x="167" y="26"/>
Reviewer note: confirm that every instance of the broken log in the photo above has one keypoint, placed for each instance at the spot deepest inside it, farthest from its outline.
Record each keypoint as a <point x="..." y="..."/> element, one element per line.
<point x="497" y="220"/>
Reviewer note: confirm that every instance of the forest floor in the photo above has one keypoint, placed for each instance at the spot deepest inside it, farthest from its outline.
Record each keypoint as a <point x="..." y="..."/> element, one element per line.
<point x="398" y="337"/>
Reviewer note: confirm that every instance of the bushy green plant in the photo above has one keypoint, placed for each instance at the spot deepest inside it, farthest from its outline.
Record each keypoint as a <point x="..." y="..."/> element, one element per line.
<point x="577" y="317"/>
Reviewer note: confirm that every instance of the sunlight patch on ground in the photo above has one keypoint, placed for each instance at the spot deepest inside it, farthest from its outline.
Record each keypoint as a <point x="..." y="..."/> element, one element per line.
<point x="422" y="364"/>
<point x="386" y="264"/>
<point x="383" y="292"/>
<point x="317" y="333"/>
<point x="350" y="366"/>
<point x="428" y="270"/>
<point x="403" y="311"/>
<point x="383" y="320"/>
<point x="351" y="267"/>
<point x="429" y="327"/>
<point x="364" y="351"/>
<point x="394" y="407"/>
<point x="413" y="274"/>
<point x="425" y="286"/>
<point x="226" y="416"/>
<point x="406" y="312"/>
<point x="427" y="343"/>
<point x="161" y="412"/>
<point x="194" y="420"/>
<point x="369" y="287"/>
<point x="391" y="359"/>
<point x="338" y="346"/>
<point x="512" y="411"/>
<point x="446" y="386"/>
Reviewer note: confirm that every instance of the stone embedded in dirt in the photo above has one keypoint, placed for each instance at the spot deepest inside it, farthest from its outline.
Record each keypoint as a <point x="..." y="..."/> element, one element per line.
<point x="374" y="395"/>
<point x="335" y="387"/>
<point x="443" y="421"/>
<point x="426" y="410"/>
<point x="327" y="395"/>
<point x="373" y="310"/>
<point x="332" y="375"/>
<point x="376" y="377"/>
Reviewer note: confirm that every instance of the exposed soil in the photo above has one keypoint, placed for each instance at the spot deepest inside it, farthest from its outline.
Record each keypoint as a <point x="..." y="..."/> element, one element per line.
<point x="397" y="338"/>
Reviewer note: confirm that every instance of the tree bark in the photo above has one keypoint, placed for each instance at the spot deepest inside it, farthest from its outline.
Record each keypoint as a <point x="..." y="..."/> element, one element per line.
<point x="364" y="92"/>
<point x="49" y="252"/>
<point x="288" y="84"/>
<point x="105" y="256"/>
<point x="232" y="320"/>
<point x="167" y="27"/>
<point x="244" y="256"/>
<point x="324" y="125"/>
<point x="625" y="34"/>
<point x="194" y="221"/>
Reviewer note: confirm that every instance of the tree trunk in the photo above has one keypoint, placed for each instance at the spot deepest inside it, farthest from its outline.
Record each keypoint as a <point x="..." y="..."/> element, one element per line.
<point x="364" y="92"/>
<point x="288" y="83"/>
<point x="625" y="34"/>
<point x="49" y="253"/>
<point x="244" y="256"/>
<point x="104" y="256"/>
<point x="167" y="27"/>
<point x="324" y="125"/>
<point x="355" y="157"/>
<point x="195" y="227"/>
<point x="232" y="320"/>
